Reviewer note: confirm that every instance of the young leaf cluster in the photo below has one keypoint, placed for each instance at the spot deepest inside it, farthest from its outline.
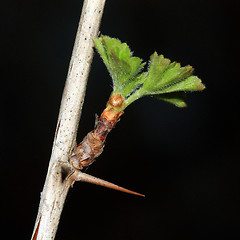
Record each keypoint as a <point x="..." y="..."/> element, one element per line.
<point x="164" y="79"/>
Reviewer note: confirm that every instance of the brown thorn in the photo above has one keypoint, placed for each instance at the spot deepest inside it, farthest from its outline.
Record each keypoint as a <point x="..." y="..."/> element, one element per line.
<point x="79" y="176"/>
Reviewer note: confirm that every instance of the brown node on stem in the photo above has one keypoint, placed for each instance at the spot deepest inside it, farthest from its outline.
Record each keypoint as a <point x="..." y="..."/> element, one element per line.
<point x="117" y="101"/>
<point x="92" y="145"/>
<point x="111" y="112"/>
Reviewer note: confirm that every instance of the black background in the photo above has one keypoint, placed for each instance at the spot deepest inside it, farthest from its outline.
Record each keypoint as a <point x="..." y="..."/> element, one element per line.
<point x="186" y="161"/>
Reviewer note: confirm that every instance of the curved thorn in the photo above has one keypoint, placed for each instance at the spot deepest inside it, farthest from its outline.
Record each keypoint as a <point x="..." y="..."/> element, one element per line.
<point x="80" y="176"/>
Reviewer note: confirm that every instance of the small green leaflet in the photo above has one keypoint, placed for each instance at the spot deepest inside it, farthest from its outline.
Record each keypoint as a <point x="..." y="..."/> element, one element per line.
<point x="119" y="61"/>
<point x="164" y="80"/>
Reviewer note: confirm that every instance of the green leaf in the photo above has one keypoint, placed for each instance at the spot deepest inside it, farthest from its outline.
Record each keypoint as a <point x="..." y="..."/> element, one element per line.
<point x="191" y="83"/>
<point x="178" y="99"/>
<point x="134" y="85"/>
<point x="157" y="67"/>
<point x="163" y="79"/>
<point x="117" y="56"/>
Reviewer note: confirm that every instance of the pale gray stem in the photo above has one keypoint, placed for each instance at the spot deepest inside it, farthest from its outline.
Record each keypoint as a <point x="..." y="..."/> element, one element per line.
<point x="57" y="181"/>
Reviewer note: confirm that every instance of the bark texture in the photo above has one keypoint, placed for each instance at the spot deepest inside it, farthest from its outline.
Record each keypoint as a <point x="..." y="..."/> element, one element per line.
<point x="57" y="180"/>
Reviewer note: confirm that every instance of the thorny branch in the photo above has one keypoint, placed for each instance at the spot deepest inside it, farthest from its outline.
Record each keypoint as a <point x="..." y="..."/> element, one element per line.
<point x="57" y="180"/>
